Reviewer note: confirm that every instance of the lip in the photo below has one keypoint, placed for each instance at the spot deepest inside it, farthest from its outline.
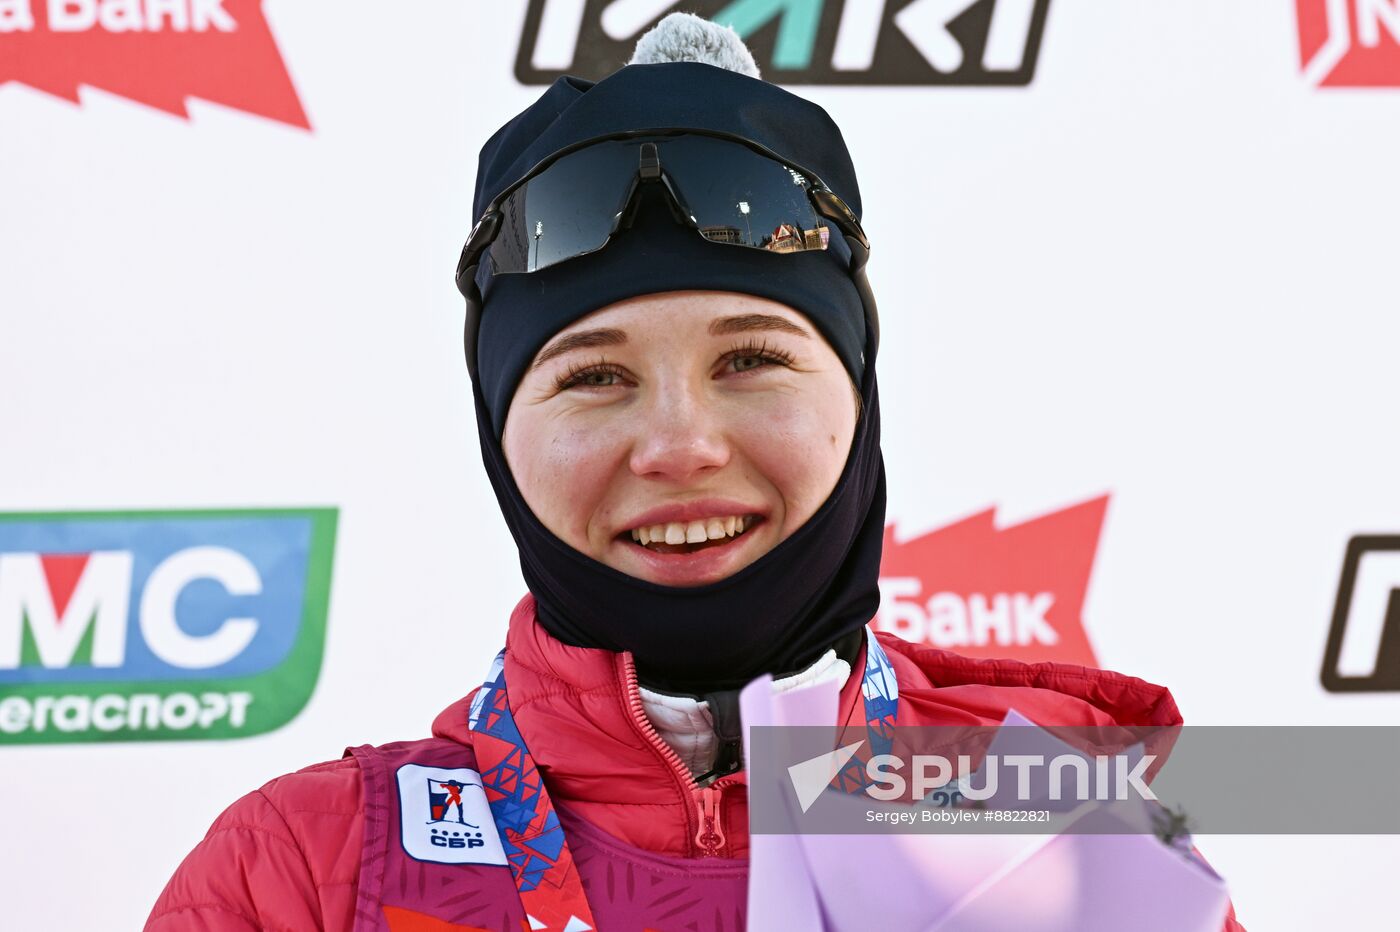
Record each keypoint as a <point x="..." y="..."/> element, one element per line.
<point x="692" y="569"/>
<point x="692" y="511"/>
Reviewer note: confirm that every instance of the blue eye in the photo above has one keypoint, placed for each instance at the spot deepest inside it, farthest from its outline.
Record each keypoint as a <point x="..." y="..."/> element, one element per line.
<point x="600" y="374"/>
<point x="749" y="357"/>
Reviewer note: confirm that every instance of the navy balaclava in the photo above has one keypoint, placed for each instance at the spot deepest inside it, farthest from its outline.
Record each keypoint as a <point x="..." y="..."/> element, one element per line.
<point x="818" y="587"/>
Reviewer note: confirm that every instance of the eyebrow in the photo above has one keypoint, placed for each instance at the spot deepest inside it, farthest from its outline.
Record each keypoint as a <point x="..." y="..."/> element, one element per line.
<point x="584" y="339"/>
<point x="742" y="323"/>
<point x="611" y="336"/>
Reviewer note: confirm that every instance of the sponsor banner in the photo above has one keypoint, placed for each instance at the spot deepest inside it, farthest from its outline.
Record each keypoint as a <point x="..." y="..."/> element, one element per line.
<point x="985" y="591"/>
<point x="1363" y="644"/>
<point x="887" y="42"/>
<point x="123" y="626"/>
<point x="156" y="52"/>
<point x="1349" y="43"/>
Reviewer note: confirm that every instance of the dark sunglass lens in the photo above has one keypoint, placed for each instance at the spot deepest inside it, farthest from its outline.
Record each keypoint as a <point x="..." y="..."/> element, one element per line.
<point x="567" y="210"/>
<point x="737" y="196"/>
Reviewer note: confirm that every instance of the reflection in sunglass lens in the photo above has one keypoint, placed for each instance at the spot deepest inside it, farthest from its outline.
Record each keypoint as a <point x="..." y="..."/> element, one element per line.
<point x="731" y="194"/>
<point x="567" y="210"/>
<point x="735" y="195"/>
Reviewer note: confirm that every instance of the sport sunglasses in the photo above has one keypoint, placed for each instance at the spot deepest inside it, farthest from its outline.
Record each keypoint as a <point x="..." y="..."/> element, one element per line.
<point x="728" y="189"/>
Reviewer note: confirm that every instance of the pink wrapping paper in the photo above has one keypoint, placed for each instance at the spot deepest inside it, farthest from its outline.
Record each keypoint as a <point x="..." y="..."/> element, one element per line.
<point x="970" y="883"/>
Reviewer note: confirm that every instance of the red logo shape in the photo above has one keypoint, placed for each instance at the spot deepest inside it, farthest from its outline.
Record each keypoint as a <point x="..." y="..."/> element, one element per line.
<point x="1349" y="43"/>
<point x="63" y="572"/>
<point x="986" y="592"/>
<point x="156" y="52"/>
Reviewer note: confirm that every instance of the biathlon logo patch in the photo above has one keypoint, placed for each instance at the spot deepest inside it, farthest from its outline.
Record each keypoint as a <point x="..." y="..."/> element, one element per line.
<point x="886" y="42"/>
<point x="155" y="52"/>
<point x="1349" y="43"/>
<point x="120" y="626"/>
<point x="986" y="591"/>
<point x="444" y="817"/>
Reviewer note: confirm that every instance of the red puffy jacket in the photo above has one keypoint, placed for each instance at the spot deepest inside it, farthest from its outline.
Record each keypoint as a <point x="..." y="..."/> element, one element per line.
<point x="288" y="856"/>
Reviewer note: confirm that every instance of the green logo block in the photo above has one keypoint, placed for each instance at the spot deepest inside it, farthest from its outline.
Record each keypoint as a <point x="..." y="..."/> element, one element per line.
<point x="169" y="625"/>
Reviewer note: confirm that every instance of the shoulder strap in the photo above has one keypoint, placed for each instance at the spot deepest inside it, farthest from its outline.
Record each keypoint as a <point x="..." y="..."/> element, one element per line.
<point x="374" y="847"/>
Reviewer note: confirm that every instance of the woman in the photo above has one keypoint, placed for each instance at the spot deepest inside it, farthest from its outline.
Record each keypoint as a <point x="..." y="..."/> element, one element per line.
<point x="677" y="409"/>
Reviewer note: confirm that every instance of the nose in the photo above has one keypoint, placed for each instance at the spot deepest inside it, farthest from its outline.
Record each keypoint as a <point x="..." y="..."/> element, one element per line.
<point x="679" y="436"/>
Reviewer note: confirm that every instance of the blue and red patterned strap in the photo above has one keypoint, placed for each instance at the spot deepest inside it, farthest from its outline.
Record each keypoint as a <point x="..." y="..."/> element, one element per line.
<point x="551" y="891"/>
<point x="881" y="694"/>
<point x="536" y="850"/>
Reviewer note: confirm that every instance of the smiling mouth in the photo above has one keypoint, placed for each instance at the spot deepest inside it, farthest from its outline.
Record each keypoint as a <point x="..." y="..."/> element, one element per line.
<point x="690" y="536"/>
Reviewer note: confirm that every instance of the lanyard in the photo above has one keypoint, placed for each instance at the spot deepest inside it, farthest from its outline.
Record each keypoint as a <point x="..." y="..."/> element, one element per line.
<point x="536" y="850"/>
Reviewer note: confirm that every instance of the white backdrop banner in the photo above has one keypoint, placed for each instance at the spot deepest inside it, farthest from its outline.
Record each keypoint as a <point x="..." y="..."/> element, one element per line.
<point x="1136" y="270"/>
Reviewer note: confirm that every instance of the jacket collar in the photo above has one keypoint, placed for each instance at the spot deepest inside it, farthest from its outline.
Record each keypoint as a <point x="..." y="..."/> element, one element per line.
<point x="581" y="713"/>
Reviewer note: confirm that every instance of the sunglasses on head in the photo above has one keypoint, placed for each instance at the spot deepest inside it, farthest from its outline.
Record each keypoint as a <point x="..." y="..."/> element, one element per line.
<point x="728" y="189"/>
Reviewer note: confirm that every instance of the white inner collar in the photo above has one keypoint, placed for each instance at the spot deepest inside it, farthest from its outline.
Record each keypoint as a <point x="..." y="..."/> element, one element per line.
<point x="685" y="723"/>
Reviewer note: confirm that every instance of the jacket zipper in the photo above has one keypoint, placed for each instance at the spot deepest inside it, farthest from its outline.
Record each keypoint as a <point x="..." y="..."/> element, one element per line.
<point x="708" y="838"/>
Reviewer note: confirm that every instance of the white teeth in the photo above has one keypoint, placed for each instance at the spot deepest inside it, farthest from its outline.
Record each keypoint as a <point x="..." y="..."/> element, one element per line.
<point x="693" y="532"/>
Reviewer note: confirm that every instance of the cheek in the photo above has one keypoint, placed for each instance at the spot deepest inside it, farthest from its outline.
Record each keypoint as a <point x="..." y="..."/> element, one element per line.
<point x="563" y="472"/>
<point x="790" y="442"/>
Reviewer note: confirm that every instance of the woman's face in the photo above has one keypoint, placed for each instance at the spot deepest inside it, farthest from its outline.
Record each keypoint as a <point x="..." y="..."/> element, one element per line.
<point x="678" y="437"/>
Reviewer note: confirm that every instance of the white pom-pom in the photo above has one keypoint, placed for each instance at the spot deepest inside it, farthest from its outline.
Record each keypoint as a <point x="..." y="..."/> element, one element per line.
<point x="687" y="37"/>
